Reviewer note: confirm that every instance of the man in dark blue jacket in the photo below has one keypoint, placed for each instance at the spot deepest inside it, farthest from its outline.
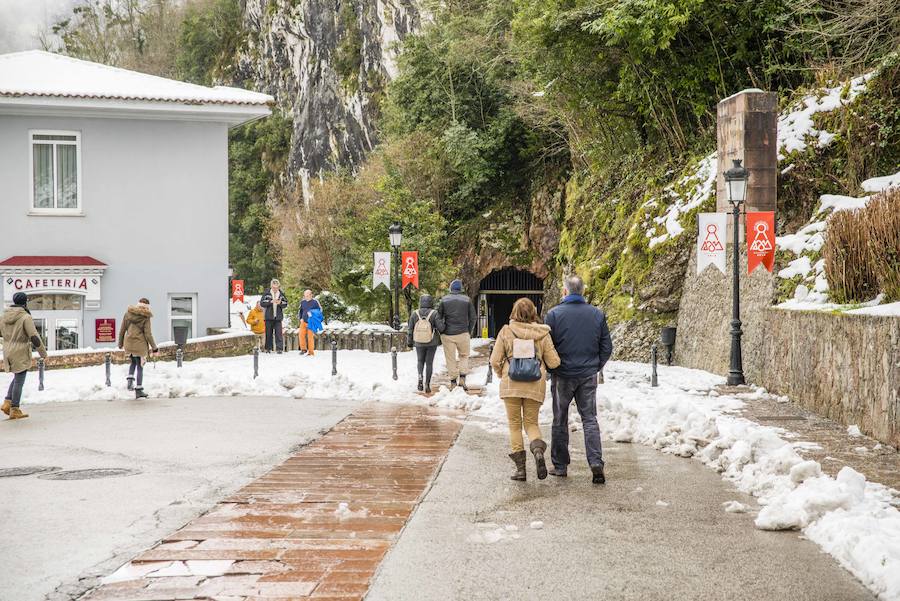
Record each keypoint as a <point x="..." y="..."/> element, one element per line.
<point x="582" y="339"/>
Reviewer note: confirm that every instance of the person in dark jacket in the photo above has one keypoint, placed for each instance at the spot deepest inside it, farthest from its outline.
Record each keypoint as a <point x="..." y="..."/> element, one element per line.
<point x="425" y="316"/>
<point x="582" y="339"/>
<point x="273" y="302"/>
<point x="19" y="337"/>
<point x="460" y="322"/>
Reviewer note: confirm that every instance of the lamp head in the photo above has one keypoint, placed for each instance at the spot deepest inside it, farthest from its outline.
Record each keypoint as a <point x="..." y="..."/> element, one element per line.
<point x="736" y="181"/>
<point x="396" y="234"/>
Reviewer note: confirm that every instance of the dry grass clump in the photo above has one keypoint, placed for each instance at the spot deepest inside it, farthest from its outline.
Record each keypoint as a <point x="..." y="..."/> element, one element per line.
<point x="862" y="250"/>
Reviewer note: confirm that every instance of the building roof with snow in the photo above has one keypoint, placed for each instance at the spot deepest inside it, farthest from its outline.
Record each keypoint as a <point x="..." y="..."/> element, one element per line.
<point x="35" y="80"/>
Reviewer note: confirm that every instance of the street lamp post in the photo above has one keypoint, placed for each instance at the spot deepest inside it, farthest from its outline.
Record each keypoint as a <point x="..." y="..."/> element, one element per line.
<point x="736" y="182"/>
<point x="396" y="235"/>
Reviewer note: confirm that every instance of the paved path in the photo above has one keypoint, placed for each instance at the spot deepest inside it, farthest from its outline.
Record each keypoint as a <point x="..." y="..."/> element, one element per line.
<point x="316" y="526"/>
<point x="58" y="536"/>
<point x="617" y="542"/>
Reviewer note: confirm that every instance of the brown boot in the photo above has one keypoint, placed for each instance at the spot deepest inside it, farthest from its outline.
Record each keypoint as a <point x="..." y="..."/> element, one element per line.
<point x="537" y="449"/>
<point x="7" y="404"/>
<point x="519" y="459"/>
<point x="16" y="413"/>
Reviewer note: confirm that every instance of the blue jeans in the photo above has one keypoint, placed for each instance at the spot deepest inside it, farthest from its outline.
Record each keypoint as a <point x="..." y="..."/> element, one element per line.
<point x="14" y="394"/>
<point x="584" y="391"/>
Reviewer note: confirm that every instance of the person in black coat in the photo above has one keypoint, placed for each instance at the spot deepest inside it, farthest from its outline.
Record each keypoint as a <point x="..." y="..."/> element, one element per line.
<point x="581" y="337"/>
<point x="273" y="303"/>
<point x="425" y="350"/>
<point x="460" y="324"/>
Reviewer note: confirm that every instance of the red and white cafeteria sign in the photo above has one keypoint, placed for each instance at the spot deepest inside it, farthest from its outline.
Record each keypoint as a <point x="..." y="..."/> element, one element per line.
<point x="85" y="285"/>
<point x="760" y="240"/>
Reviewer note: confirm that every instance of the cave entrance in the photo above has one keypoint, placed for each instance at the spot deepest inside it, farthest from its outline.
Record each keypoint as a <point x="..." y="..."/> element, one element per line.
<point x="497" y="293"/>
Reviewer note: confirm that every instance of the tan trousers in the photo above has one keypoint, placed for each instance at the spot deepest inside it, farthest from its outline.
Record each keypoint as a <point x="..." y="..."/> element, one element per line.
<point x="453" y="345"/>
<point x="521" y="412"/>
<point x="260" y="340"/>
<point x="307" y="339"/>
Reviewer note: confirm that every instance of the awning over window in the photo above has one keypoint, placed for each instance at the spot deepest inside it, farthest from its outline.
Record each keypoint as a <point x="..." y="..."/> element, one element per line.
<point x="51" y="261"/>
<point x="53" y="274"/>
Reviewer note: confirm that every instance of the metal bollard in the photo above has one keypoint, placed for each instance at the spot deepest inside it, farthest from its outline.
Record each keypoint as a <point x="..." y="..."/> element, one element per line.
<point x="490" y="375"/>
<point x="255" y="362"/>
<point x="108" y="362"/>
<point x="394" y="360"/>
<point x="41" y="373"/>
<point x="179" y="355"/>
<point x="333" y="356"/>
<point x="653" y="379"/>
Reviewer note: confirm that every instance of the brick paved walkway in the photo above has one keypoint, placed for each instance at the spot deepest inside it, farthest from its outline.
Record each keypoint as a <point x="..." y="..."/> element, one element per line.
<point x="315" y="527"/>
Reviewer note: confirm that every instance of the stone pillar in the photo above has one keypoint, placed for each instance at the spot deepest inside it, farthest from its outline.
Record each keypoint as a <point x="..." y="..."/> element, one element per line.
<point x="747" y="130"/>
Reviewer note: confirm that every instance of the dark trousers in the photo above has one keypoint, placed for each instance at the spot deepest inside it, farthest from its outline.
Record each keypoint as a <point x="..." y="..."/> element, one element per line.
<point x="425" y="357"/>
<point x="584" y="391"/>
<point x="136" y="369"/>
<point x="14" y="394"/>
<point x="273" y="331"/>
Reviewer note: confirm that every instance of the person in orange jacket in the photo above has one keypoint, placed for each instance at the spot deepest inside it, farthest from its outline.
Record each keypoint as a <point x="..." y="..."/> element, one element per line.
<point x="257" y="322"/>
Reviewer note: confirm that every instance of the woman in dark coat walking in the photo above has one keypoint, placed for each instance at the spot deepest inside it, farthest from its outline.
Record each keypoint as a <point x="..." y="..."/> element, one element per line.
<point x="423" y="333"/>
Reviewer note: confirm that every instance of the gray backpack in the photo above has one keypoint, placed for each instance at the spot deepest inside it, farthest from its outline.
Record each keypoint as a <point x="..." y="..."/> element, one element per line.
<point x="423" y="331"/>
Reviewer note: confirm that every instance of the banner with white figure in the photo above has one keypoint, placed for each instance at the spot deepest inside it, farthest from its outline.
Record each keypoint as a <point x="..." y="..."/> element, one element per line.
<point x="711" y="241"/>
<point x="381" y="270"/>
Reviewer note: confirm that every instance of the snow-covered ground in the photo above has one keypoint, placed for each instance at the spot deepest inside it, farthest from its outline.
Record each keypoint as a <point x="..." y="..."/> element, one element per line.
<point x="855" y="521"/>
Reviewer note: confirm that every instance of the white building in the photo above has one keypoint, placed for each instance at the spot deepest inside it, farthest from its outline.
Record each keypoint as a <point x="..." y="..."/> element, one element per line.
<point x="113" y="187"/>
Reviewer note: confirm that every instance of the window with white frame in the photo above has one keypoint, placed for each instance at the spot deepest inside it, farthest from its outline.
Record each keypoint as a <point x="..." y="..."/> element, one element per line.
<point x="183" y="314"/>
<point x="55" y="171"/>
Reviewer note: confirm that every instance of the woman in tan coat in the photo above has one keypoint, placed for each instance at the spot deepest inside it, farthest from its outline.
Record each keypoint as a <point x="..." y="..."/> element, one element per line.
<point x="527" y="339"/>
<point x="136" y="338"/>
<point x="19" y="336"/>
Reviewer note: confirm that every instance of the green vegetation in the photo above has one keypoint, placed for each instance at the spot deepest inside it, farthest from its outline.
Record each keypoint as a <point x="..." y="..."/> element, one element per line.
<point x="209" y="38"/>
<point x="257" y="153"/>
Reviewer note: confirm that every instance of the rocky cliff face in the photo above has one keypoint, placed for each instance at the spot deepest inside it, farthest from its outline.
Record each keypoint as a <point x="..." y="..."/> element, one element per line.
<point x="326" y="62"/>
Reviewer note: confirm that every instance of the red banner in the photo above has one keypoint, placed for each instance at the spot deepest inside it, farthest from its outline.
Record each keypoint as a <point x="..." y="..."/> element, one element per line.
<point x="237" y="290"/>
<point x="410" y="270"/>
<point x="760" y="240"/>
<point x="105" y="330"/>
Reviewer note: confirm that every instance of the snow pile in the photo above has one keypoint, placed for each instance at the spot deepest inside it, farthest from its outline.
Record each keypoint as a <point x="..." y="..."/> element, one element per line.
<point x="700" y="184"/>
<point x="796" y="129"/>
<point x="361" y="375"/>
<point x="837" y="202"/>
<point x="880" y="184"/>
<point x="889" y="309"/>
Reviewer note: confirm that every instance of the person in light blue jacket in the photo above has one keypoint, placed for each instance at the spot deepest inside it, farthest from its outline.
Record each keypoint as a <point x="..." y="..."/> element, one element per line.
<point x="307" y="335"/>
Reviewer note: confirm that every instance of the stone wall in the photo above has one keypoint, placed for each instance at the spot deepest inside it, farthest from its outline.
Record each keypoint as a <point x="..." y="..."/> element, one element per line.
<point x="226" y="346"/>
<point x="704" y="318"/>
<point x="845" y="367"/>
